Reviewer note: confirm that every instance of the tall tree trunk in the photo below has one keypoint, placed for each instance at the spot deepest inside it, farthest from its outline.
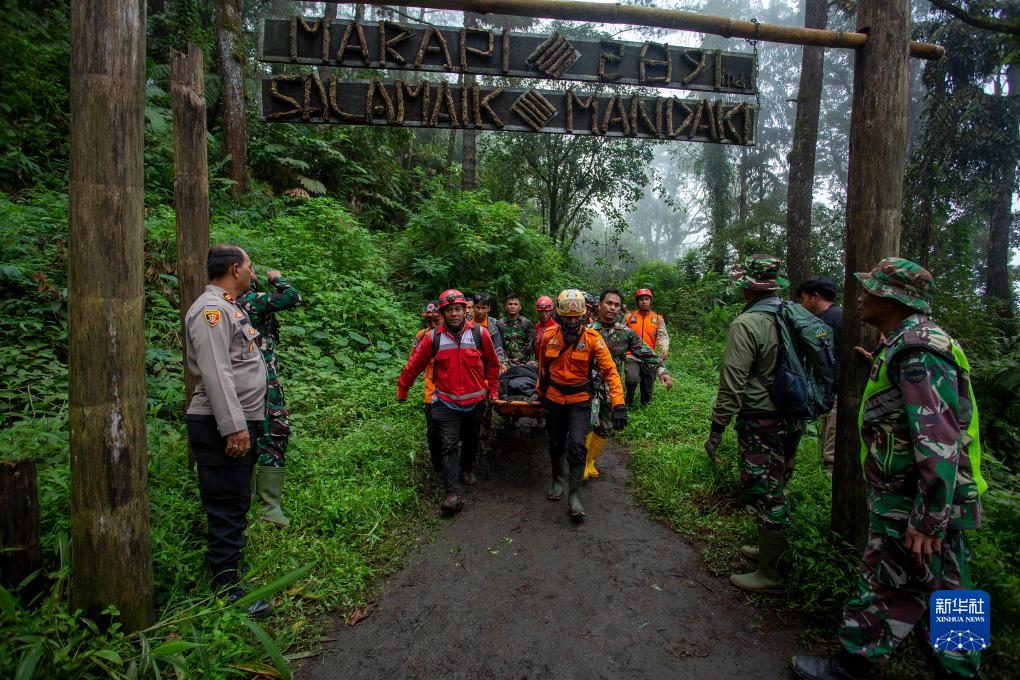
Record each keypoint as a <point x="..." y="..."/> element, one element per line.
<point x="718" y="178"/>
<point x="359" y="11"/>
<point x="191" y="186"/>
<point x="800" y="188"/>
<point x="997" y="286"/>
<point x="878" y="146"/>
<point x="230" y="55"/>
<point x="110" y="539"/>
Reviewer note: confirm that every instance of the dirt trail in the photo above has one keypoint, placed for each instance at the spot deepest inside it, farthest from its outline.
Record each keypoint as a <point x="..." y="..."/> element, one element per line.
<point x="511" y="589"/>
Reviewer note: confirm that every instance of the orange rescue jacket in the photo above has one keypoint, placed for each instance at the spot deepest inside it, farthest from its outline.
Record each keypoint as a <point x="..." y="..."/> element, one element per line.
<point x="646" y="326"/>
<point x="430" y="384"/>
<point x="564" y="372"/>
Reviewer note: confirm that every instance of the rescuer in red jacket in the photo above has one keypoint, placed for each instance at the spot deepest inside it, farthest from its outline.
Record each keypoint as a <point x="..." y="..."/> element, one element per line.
<point x="466" y="375"/>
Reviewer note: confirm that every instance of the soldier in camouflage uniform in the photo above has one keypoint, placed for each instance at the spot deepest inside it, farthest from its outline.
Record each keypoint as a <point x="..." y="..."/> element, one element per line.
<point x="620" y="339"/>
<point x="767" y="440"/>
<point x="517" y="331"/>
<point x="920" y="455"/>
<point x="272" y="445"/>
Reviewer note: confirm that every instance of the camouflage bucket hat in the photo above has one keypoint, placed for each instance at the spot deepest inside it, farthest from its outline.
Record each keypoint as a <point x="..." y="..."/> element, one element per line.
<point x="900" y="280"/>
<point x="760" y="272"/>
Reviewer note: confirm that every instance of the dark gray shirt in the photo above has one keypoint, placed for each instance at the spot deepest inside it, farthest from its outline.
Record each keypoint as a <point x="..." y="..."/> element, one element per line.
<point x="833" y="316"/>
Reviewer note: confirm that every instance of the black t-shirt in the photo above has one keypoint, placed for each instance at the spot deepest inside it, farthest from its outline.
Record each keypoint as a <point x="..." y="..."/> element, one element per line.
<point x="833" y="316"/>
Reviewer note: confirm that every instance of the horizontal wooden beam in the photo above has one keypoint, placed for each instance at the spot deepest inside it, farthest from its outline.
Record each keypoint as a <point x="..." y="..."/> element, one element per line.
<point x="306" y="98"/>
<point x="675" y="19"/>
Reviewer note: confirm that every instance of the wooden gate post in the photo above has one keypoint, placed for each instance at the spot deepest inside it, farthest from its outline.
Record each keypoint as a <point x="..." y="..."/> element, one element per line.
<point x="191" y="187"/>
<point x="878" y="150"/>
<point x="110" y="540"/>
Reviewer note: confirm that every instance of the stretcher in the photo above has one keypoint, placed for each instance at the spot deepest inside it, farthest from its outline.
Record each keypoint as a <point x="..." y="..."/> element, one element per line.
<point x="517" y="393"/>
<point x="517" y="409"/>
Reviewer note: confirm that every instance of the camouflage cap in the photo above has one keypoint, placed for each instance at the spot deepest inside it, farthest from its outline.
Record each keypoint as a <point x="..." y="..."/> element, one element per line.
<point x="760" y="272"/>
<point x="900" y="280"/>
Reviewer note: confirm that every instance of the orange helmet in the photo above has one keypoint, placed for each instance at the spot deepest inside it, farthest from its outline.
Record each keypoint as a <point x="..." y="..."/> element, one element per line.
<point x="544" y="304"/>
<point x="571" y="303"/>
<point x="451" y="297"/>
<point x="642" y="292"/>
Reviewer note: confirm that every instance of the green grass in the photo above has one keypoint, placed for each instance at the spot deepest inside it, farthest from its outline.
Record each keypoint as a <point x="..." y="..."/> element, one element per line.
<point x="674" y="479"/>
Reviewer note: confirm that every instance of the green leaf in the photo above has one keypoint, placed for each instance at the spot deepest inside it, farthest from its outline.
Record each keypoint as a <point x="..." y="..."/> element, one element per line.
<point x="110" y="655"/>
<point x="8" y="604"/>
<point x="274" y="587"/>
<point x="313" y="186"/>
<point x="26" y="667"/>
<point x="176" y="647"/>
<point x="270" y="646"/>
<point x="358" y="337"/>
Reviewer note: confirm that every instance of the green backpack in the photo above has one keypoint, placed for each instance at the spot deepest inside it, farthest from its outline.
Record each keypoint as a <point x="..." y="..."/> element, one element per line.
<point x="805" y="382"/>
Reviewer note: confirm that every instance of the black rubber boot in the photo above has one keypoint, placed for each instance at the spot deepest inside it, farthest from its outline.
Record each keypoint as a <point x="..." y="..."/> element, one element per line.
<point x="256" y="609"/>
<point x="842" y="666"/>
<point x="556" y="488"/>
<point x="574" y="500"/>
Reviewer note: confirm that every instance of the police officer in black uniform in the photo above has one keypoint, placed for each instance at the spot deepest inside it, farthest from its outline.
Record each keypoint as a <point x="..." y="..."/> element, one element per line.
<point x="226" y="412"/>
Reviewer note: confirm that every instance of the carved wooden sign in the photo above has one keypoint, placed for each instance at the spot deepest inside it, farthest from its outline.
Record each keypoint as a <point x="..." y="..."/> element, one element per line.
<point x="480" y="51"/>
<point x="296" y="98"/>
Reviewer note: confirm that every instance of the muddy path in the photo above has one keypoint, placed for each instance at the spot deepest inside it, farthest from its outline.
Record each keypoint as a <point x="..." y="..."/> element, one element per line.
<point x="510" y="588"/>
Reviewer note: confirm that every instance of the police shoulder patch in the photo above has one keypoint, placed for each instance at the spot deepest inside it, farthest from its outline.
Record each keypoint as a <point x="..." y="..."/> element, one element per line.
<point x="212" y="316"/>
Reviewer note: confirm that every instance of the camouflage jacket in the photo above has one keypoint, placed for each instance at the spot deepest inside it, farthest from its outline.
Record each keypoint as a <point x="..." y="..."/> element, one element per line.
<point x="914" y="423"/>
<point x="621" y="339"/>
<point x="518" y="339"/>
<point x="261" y="308"/>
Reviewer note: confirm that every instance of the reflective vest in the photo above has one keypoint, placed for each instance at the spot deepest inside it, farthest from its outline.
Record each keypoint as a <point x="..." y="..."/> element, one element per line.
<point x="463" y="366"/>
<point x="879" y="382"/>
<point x="646" y="326"/>
<point x="564" y="371"/>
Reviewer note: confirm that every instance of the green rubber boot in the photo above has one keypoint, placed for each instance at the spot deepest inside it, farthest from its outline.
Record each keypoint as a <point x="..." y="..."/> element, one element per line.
<point x="750" y="552"/>
<point x="766" y="580"/>
<point x="556" y="488"/>
<point x="269" y="486"/>
<point x="574" y="500"/>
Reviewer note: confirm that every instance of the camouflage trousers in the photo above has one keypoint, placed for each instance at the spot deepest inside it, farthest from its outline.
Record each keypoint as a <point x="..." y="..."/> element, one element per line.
<point x="602" y="412"/>
<point x="893" y="594"/>
<point x="767" y="447"/>
<point x="272" y="445"/>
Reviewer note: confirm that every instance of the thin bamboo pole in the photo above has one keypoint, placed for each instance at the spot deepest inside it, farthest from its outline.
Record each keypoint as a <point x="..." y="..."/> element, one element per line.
<point x="676" y="19"/>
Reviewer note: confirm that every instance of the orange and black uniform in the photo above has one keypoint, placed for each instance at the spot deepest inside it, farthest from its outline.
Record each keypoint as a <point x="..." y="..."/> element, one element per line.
<point x="565" y="388"/>
<point x="651" y="328"/>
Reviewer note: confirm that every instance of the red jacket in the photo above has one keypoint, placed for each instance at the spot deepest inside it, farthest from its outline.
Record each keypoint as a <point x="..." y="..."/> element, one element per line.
<point x="540" y="328"/>
<point x="463" y="374"/>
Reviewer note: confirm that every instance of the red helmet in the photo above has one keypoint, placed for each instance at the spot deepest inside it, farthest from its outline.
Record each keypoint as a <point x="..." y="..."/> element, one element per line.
<point x="642" y="292"/>
<point x="451" y="297"/>
<point x="544" y="304"/>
